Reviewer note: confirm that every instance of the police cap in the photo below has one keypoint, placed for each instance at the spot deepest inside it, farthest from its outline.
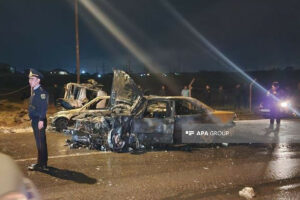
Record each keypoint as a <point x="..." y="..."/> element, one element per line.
<point x="35" y="73"/>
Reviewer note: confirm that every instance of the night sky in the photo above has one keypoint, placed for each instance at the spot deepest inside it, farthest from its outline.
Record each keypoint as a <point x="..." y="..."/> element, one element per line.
<point x="254" y="34"/>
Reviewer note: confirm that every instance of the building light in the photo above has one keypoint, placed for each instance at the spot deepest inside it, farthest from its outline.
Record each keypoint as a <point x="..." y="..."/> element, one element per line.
<point x="62" y="73"/>
<point x="12" y="70"/>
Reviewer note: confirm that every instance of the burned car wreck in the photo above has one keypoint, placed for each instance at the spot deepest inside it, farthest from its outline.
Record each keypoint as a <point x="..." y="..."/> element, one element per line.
<point x="62" y="119"/>
<point x="76" y="95"/>
<point x="135" y="121"/>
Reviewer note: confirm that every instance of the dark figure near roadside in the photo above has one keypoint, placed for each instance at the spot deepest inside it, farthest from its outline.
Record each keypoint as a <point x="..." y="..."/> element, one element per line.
<point x="207" y="95"/>
<point x="273" y="95"/>
<point x="237" y="96"/>
<point x="244" y="95"/>
<point x="37" y="110"/>
<point x="220" y="97"/>
<point x="162" y="91"/>
<point x="55" y="93"/>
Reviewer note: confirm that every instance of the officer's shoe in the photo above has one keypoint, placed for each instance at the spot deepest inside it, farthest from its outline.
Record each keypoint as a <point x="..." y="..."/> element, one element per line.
<point x="44" y="168"/>
<point x="34" y="167"/>
<point x="271" y="126"/>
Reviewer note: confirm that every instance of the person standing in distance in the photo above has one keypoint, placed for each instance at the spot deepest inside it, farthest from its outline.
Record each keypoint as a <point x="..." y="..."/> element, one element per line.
<point x="38" y="105"/>
<point x="272" y="94"/>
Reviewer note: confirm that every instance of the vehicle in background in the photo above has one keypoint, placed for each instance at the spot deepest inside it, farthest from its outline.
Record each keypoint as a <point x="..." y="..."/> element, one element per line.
<point x="76" y="95"/>
<point x="62" y="119"/>
<point x="285" y="107"/>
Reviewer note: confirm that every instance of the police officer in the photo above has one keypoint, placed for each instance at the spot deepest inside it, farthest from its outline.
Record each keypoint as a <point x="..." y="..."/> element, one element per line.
<point x="38" y="106"/>
<point x="274" y="94"/>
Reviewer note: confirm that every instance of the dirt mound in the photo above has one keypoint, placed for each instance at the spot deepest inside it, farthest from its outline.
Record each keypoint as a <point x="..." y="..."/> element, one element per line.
<point x="14" y="114"/>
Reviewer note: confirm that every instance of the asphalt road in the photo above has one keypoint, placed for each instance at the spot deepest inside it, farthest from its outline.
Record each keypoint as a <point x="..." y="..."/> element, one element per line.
<point x="206" y="172"/>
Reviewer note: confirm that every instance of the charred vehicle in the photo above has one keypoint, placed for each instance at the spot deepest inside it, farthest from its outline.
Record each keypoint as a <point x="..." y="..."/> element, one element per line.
<point x="136" y="121"/>
<point x="62" y="119"/>
<point x="76" y="95"/>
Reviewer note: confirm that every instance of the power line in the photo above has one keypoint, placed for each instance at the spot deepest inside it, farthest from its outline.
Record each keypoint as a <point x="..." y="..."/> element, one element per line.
<point x="15" y="91"/>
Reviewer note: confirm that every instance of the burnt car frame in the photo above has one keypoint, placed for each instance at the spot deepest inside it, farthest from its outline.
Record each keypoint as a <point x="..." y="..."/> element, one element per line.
<point x="162" y="120"/>
<point x="62" y="119"/>
<point x="136" y="120"/>
<point x="76" y="95"/>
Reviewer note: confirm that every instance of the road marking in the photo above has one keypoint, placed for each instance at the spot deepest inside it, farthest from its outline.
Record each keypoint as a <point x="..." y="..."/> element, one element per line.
<point x="64" y="156"/>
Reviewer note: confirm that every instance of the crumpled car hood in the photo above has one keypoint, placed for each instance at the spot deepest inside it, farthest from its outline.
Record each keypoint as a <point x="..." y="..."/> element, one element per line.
<point x="124" y="91"/>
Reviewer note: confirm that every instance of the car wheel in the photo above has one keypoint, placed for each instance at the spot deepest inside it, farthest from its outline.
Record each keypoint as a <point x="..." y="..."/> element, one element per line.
<point x="118" y="143"/>
<point x="61" y="124"/>
<point x="115" y="142"/>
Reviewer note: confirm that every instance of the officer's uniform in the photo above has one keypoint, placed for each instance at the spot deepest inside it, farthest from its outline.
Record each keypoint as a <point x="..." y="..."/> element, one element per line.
<point x="38" y="106"/>
<point x="273" y="105"/>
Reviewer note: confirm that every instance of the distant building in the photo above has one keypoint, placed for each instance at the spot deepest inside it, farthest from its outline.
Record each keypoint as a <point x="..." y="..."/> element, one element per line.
<point x="59" y="72"/>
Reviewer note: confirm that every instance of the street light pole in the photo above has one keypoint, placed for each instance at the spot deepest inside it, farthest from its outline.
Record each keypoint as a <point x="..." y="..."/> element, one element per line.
<point x="77" y="42"/>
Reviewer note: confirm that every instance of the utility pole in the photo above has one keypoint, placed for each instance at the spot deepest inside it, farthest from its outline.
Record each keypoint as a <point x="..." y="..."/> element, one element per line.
<point x="77" y="42"/>
<point x="250" y="94"/>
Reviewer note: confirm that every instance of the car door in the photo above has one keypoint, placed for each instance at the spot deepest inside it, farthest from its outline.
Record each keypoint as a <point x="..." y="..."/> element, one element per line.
<point x="156" y="124"/>
<point x="187" y="115"/>
<point x="96" y="106"/>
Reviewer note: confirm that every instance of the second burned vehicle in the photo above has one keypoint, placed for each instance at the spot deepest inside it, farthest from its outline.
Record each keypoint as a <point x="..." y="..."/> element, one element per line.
<point x="62" y="119"/>
<point x="136" y="120"/>
<point x="76" y="95"/>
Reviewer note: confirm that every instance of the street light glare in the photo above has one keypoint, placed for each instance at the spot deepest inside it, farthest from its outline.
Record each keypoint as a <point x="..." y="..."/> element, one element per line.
<point x="124" y="39"/>
<point x="214" y="50"/>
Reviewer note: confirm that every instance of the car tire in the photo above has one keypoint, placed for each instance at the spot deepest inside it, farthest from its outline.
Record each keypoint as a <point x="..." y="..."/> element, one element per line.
<point x="115" y="142"/>
<point x="61" y="124"/>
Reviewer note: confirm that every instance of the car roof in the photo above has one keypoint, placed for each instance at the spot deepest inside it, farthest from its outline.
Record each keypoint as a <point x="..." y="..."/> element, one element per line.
<point x="191" y="99"/>
<point x="95" y="99"/>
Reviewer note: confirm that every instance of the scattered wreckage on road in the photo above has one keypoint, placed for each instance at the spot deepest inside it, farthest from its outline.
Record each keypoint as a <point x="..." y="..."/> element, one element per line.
<point x="135" y="121"/>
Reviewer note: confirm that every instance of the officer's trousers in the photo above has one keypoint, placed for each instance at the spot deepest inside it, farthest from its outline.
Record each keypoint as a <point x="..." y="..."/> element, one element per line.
<point x="275" y="114"/>
<point x="41" y="141"/>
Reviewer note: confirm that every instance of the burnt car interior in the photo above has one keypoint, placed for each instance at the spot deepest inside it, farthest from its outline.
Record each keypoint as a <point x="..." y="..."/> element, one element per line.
<point x="157" y="109"/>
<point x="183" y="107"/>
<point x="98" y="105"/>
<point x="77" y="95"/>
